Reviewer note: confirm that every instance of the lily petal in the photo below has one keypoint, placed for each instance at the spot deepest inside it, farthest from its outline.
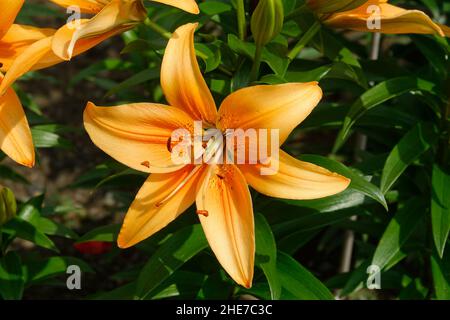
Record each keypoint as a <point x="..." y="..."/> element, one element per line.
<point x="116" y="15"/>
<point x="39" y="55"/>
<point x="186" y="5"/>
<point x="162" y="198"/>
<point x="280" y="107"/>
<point x="9" y="10"/>
<point x="295" y="179"/>
<point x="394" y="20"/>
<point x="136" y="135"/>
<point x="226" y="214"/>
<point x="15" y="134"/>
<point x="86" y="6"/>
<point x="17" y="39"/>
<point x="25" y="61"/>
<point x="181" y="79"/>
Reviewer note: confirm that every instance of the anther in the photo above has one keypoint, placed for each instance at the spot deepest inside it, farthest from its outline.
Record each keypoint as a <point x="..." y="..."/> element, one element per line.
<point x="169" y="144"/>
<point x="203" y="213"/>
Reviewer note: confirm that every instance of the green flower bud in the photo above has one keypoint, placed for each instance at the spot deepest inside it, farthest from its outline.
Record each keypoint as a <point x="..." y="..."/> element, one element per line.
<point x="267" y="21"/>
<point x="8" y="205"/>
<point x="333" y="6"/>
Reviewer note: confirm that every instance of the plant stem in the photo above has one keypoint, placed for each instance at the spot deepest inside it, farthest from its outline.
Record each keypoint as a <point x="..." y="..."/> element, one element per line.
<point x="360" y="145"/>
<point x="157" y="28"/>
<point x="256" y="64"/>
<point x="242" y="27"/>
<point x="307" y="36"/>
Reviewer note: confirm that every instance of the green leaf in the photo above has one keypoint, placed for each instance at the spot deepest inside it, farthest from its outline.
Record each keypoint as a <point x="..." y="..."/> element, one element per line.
<point x="299" y="282"/>
<point x="135" y="80"/>
<point x="53" y="228"/>
<point x="375" y="96"/>
<point x="356" y="279"/>
<point x="50" y="267"/>
<point x="47" y="139"/>
<point x="399" y="229"/>
<point x="440" y="208"/>
<point x="266" y="254"/>
<point x="358" y="182"/>
<point x="212" y="8"/>
<point x="105" y="234"/>
<point x="11" y="277"/>
<point x="270" y="54"/>
<point x="179" y="248"/>
<point x="18" y="227"/>
<point x="409" y="148"/>
<point x="343" y="200"/>
<point x="440" y="268"/>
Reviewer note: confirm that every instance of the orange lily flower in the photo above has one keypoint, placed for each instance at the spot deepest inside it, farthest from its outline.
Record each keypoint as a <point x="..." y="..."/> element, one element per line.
<point x="33" y="49"/>
<point x="393" y="19"/>
<point x="15" y="134"/>
<point x="139" y="136"/>
<point x="111" y="16"/>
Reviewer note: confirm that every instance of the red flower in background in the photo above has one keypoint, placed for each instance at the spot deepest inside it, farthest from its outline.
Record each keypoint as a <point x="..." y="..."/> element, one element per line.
<point x="93" y="247"/>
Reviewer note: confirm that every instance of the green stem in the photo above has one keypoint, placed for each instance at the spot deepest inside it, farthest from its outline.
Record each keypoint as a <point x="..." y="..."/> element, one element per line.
<point x="307" y="36"/>
<point x="242" y="27"/>
<point x="256" y="64"/>
<point x="157" y="28"/>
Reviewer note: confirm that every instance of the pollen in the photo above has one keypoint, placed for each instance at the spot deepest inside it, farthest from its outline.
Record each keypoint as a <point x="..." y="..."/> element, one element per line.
<point x="145" y="164"/>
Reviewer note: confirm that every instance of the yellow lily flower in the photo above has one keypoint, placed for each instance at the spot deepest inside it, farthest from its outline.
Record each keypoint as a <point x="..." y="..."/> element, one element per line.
<point x="392" y="19"/>
<point x="15" y="134"/>
<point x="139" y="136"/>
<point x="111" y="16"/>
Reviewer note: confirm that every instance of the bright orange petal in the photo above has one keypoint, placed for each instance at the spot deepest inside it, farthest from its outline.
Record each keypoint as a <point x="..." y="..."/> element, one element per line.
<point x="9" y="10"/>
<point x="186" y="5"/>
<point x="225" y="209"/>
<point x="39" y="55"/>
<point x="136" y="135"/>
<point x="294" y="179"/>
<point x="181" y="79"/>
<point x="15" y="134"/>
<point x="25" y="61"/>
<point x="17" y="40"/>
<point x="116" y="15"/>
<point x="280" y="107"/>
<point x="162" y="198"/>
<point x="394" y="20"/>
<point x="86" y="6"/>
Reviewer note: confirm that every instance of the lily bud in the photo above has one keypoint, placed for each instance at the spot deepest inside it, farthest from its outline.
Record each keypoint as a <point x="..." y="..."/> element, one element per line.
<point x="8" y="205"/>
<point x="333" y="6"/>
<point x="267" y="21"/>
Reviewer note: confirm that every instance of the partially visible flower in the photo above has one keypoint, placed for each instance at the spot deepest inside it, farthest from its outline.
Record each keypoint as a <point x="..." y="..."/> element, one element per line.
<point x="391" y="19"/>
<point x="111" y="17"/>
<point x="93" y="247"/>
<point x="139" y="135"/>
<point x="47" y="47"/>
<point x="15" y="134"/>
<point x="8" y="206"/>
